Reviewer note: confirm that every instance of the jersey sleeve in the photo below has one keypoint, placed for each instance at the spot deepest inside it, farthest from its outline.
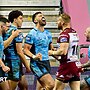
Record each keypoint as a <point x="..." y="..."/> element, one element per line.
<point x="29" y="39"/>
<point x="63" y="38"/>
<point x="19" y="38"/>
<point x="1" y="47"/>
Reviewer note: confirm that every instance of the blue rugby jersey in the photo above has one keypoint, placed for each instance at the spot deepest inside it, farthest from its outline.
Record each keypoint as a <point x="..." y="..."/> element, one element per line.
<point x="1" y="47"/>
<point x="10" y="52"/>
<point x="40" y="42"/>
<point x="89" y="52"/>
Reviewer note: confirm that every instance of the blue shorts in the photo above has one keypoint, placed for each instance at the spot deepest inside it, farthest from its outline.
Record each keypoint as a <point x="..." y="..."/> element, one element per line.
<point x="87" y="79"/>
<point x="40" y="68"/>
<point x="15" y="69"/>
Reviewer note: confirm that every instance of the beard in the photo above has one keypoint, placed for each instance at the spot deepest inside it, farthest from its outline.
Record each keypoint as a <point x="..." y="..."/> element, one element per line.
<point x="42" y="23"/>
<point x="60" y="26"/>
<point x="3" y="32"/>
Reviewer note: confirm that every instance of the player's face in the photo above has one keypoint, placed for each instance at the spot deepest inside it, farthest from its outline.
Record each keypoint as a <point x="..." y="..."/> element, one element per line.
<point x="59" y="23"/>
<point x="40" y="19"/>
<point x="5" y="27"/>
<point x="19" y="21"/>
<point x="87" y="34"/>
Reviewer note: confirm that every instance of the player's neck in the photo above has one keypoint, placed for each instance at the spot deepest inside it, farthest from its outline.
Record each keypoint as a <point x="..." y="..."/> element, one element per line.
<point x="41" y="28"/>
<point x="14" y="24"/>
<point x="66" y="26"/>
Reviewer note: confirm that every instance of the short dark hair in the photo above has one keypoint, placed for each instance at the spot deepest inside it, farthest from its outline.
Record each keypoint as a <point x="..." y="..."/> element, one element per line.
<point x="14" y="14"/>
<point x="34" y="15"/>
<point x="3" y="19"/>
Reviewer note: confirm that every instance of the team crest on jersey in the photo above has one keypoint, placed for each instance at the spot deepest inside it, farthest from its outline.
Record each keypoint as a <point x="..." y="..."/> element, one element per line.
<point x="27" y="38"/>
<point x="64" y="39"/>
<point x="20" y="37"/>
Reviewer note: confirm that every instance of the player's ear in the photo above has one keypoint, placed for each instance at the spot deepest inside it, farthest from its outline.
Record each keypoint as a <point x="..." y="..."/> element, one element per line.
<point x="15" y="19"/>
<point x="35" y="21"/>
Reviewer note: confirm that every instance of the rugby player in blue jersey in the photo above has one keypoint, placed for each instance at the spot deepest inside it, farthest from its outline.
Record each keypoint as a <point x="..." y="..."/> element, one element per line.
<point x="36" y="46"/>
<point x="14" y="54"/>
<point x="85" y="84"/>
<point x="4" y="26"/>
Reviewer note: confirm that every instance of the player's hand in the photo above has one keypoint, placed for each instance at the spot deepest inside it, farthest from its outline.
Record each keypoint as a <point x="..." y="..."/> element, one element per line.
<point x="6" y="69"/>
<point x="16" y="33"/>
<point x="50" y="52"/>
<point x="38" y="56"/>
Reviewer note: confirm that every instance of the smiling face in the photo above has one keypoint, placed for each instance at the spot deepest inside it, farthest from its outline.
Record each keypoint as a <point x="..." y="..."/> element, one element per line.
<point x="87" y="34"/>
<point x="40" y="19"/>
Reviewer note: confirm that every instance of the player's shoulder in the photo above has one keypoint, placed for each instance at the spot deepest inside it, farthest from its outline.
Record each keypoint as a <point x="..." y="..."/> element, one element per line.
<point x="11" y="29"/>
<point x="67" y="31"/>
<point x="64" y="34"/>
<point x="47" y="31"/>
<point x="32" y="31"/>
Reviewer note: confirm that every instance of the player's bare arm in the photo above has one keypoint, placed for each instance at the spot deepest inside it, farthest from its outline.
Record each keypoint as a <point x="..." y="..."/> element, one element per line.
<point x="86" y="64"/>
<point x="22" y="56"/>
<point x="9" y="40"/>
<point x="27" y="48"/>
<point x="62" y="50"/>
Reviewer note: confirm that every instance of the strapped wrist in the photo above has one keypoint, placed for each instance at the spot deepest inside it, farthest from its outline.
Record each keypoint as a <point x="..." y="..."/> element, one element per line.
<point x="33" y="56"/>
<point x="53" y="53"/>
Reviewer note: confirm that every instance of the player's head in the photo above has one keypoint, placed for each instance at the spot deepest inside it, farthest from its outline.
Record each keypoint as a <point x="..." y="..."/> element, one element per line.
<point x="38" y="18"/>
<point x="63" y="20"/>
<point x="16" y="17"/>
<point x="4" y="24"/>
<point x="87" y="34"/>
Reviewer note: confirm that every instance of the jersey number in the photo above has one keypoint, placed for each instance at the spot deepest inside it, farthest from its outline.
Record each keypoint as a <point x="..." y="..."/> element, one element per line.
<point x="74" y="52"/>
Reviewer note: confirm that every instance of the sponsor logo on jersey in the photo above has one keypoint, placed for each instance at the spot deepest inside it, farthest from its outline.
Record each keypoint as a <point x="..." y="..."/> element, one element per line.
<point x="64" y="39"/>
<point x="20" y="37"/>
<point x="27" y="38"/>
